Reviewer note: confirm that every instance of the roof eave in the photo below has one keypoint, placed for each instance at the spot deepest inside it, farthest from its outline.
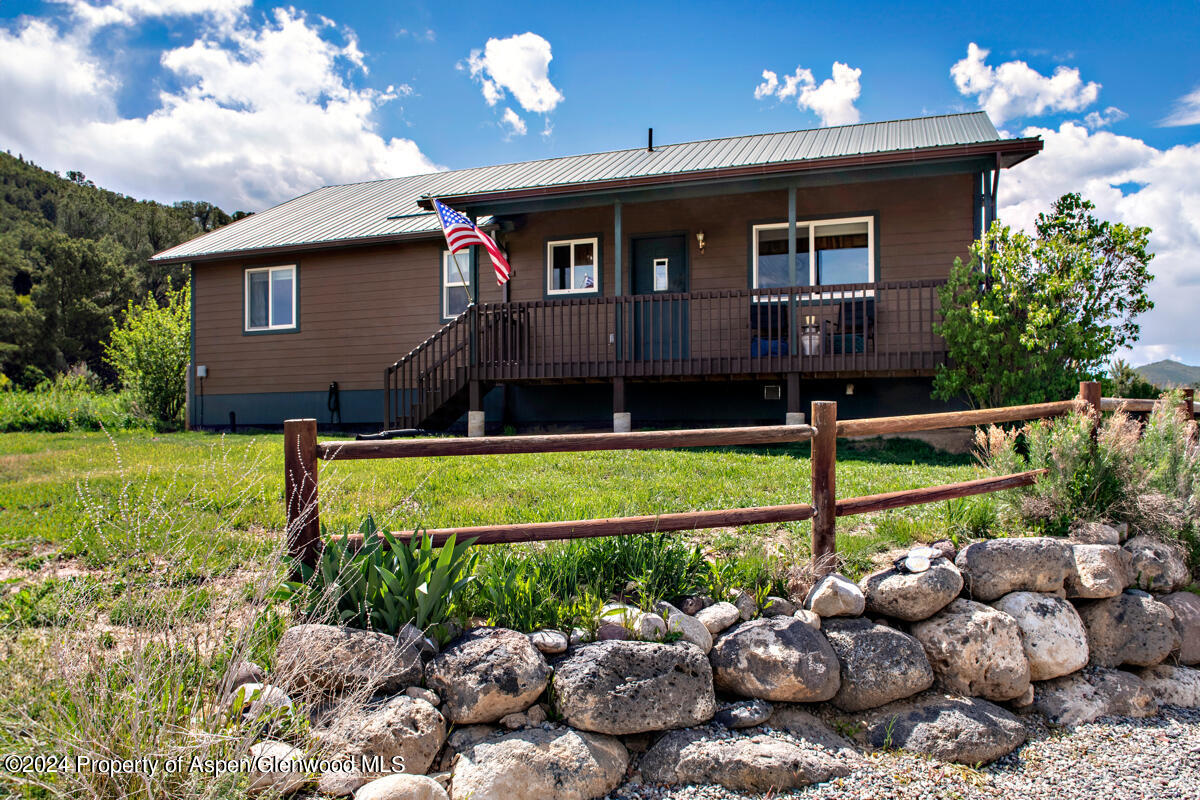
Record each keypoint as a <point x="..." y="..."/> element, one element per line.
<point x="302" y="247"/>
<point x="1007" y="151"/>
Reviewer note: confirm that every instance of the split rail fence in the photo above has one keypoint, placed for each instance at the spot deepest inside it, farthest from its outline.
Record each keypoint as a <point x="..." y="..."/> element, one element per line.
<point x="302" y="454"/>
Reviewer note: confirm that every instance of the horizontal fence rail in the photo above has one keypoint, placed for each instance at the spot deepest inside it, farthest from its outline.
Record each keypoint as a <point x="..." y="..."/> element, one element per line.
<point x="302" y="454"/>
<point x="564" y="443"/>
<point x="615" y="526"/>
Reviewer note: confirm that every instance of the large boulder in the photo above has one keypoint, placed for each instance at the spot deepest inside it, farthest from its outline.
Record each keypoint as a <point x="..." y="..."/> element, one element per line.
<point x="1093" y="533"/>
<point x="536" y="763"/>
<point x="962" y="729"/>
<point x="486" y="674"/>
<point x="1052" y="633"/>
<point x="975" y="650"/>
<point x="1131" y="628"/>
<point x="742" y="763"/>
<point x="277" y="768"/>
<point x="718" y="617"/>
<point x="330" y="658"/>
<point x="1098" y="571"/>
<point x="1186" y="607"/>
<point x="402" y="787"/>
<point x="1093" y="693"/>
<point x="621" y="688"/>
<point x="993" y="568"/>
<point x="800" y="723"/>
<point x="402" y="733"/>
<point x="835" y="596"/>
<point x="776" y="658"/>
<point x="1173" y="686"/>
<point x="912" y="596"/>
<point x="878" y="664"/>
<point x="1158" y="566"/>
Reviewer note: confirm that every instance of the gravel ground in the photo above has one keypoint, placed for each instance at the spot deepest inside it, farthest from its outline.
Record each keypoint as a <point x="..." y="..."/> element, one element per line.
<point x="1111" y="759"/>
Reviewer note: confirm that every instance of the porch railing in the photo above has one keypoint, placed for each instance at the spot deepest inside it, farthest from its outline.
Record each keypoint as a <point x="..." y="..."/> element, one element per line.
<point x="845" y="329"/>
<point x="877" y="327"/>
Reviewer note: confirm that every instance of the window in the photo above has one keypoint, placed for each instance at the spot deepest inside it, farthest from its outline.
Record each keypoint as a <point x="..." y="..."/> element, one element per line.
<point x="827" y="252"/>
<point x="271" y="298"/>
<point x="456" y="283"/>
<point x="571" y="266"/>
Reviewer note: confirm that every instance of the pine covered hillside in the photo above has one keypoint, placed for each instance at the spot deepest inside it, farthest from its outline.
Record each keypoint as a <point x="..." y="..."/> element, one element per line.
<point x="71" y="256"/>
<point x="1170" y="374"/>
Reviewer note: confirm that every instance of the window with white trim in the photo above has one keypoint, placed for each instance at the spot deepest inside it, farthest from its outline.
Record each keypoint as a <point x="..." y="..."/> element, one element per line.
<point x="571" y="266"/>
<point x="271" y="298"/>
<point x="828" y="251"/>
<point x="456" y="283"/>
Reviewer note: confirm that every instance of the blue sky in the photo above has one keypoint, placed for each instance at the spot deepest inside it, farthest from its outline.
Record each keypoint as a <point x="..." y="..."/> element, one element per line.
<point x="250" y="104"/>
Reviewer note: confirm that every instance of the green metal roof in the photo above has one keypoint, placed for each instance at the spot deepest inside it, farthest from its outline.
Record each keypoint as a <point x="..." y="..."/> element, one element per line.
<point x="388" y="210"/>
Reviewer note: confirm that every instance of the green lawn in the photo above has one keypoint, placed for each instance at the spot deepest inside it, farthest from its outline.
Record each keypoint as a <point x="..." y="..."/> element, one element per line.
<point x="140" y="495"/>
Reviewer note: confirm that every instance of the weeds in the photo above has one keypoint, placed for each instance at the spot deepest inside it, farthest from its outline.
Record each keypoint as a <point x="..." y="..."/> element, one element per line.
<point x="1146" y="475"/>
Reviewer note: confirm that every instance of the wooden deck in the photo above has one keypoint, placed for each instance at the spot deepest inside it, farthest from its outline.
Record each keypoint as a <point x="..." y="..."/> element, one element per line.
<point x="829" y="331"/>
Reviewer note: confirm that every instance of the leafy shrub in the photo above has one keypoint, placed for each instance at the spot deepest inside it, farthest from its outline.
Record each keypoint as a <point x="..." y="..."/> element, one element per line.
<point x="67" y="404"/>
<point x="150" y="349"/>
<point x="385" y="583"/>
<point x="1147" y="476"/>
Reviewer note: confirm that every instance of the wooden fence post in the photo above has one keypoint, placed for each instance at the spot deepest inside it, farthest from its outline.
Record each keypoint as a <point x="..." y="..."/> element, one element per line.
<point x="1189" y="403"/>
<point x="1089" y="392"/>
<point x="300" y="489"/>
<point x="824" y="491"/>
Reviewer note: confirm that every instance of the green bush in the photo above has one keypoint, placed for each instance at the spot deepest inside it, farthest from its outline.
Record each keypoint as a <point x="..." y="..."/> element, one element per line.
<point x="1145" y="475"/>
<point x="68" y="404"/>
<point x="385" y="583"/>
<point x="150" y="349"/>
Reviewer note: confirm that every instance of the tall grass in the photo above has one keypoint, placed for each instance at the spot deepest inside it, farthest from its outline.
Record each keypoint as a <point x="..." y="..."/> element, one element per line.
<point x="1117" y="469"/>
<point x="68" y="403"/>
<point x="126" y="661"/>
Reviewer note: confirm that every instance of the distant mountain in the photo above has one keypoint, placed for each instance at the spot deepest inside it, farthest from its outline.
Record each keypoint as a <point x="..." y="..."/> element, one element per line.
<point x="1167" y="374"/>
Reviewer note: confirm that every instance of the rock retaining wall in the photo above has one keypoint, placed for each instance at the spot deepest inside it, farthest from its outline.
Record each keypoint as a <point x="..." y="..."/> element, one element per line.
<point x="946" y="661"/>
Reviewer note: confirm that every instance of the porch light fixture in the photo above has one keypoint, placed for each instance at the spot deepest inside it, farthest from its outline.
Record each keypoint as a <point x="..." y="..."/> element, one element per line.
<point x="700" y="241"/>
<point x="849" y="388"/>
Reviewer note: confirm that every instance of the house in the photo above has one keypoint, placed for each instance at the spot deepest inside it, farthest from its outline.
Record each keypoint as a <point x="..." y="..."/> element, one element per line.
<point x="722" y="281"/>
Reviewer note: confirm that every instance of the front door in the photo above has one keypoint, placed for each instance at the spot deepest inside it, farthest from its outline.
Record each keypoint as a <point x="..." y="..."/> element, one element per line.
<point x="660" y="274"/>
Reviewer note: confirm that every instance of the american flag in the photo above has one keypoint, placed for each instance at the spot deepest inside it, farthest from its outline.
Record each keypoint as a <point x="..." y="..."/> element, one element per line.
<point x="461" y="233"/>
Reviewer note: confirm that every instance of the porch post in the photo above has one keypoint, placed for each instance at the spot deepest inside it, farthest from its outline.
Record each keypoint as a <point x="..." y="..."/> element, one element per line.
<point x="618" y="286"/>
<point x="791" y="337"/>
<point x="622" y="421"/>
<point x="794" y="415"/>
<point x="475" y="419"/>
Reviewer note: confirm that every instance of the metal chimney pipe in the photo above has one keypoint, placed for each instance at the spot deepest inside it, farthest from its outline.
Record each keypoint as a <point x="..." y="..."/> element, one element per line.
<point x="650" y="140"/>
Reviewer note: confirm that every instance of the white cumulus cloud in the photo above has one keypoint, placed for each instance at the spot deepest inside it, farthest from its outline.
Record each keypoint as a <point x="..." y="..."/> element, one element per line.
<point x="516" y="125"/>
<point x="1186" y="111"/>
<point x="1135" y="183"/>
<point x="1102" y="119"/>
<point x="263" y="112"/>
<point x="519" y="65"/>
<point x="1014" y="89"/>
<point x="128" y="12"/>
<point x="832" y="100"/>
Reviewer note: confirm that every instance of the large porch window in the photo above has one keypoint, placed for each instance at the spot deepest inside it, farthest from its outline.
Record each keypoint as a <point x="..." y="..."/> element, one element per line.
<point x="828" y="252"/>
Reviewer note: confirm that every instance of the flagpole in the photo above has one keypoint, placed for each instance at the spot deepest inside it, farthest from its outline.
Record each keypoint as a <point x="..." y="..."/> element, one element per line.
<point x="454" y="255"/>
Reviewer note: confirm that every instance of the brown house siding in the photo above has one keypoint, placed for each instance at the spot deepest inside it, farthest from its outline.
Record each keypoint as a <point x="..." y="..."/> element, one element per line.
<point x="362" y="308"/>
<point x="359" y="310"/>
